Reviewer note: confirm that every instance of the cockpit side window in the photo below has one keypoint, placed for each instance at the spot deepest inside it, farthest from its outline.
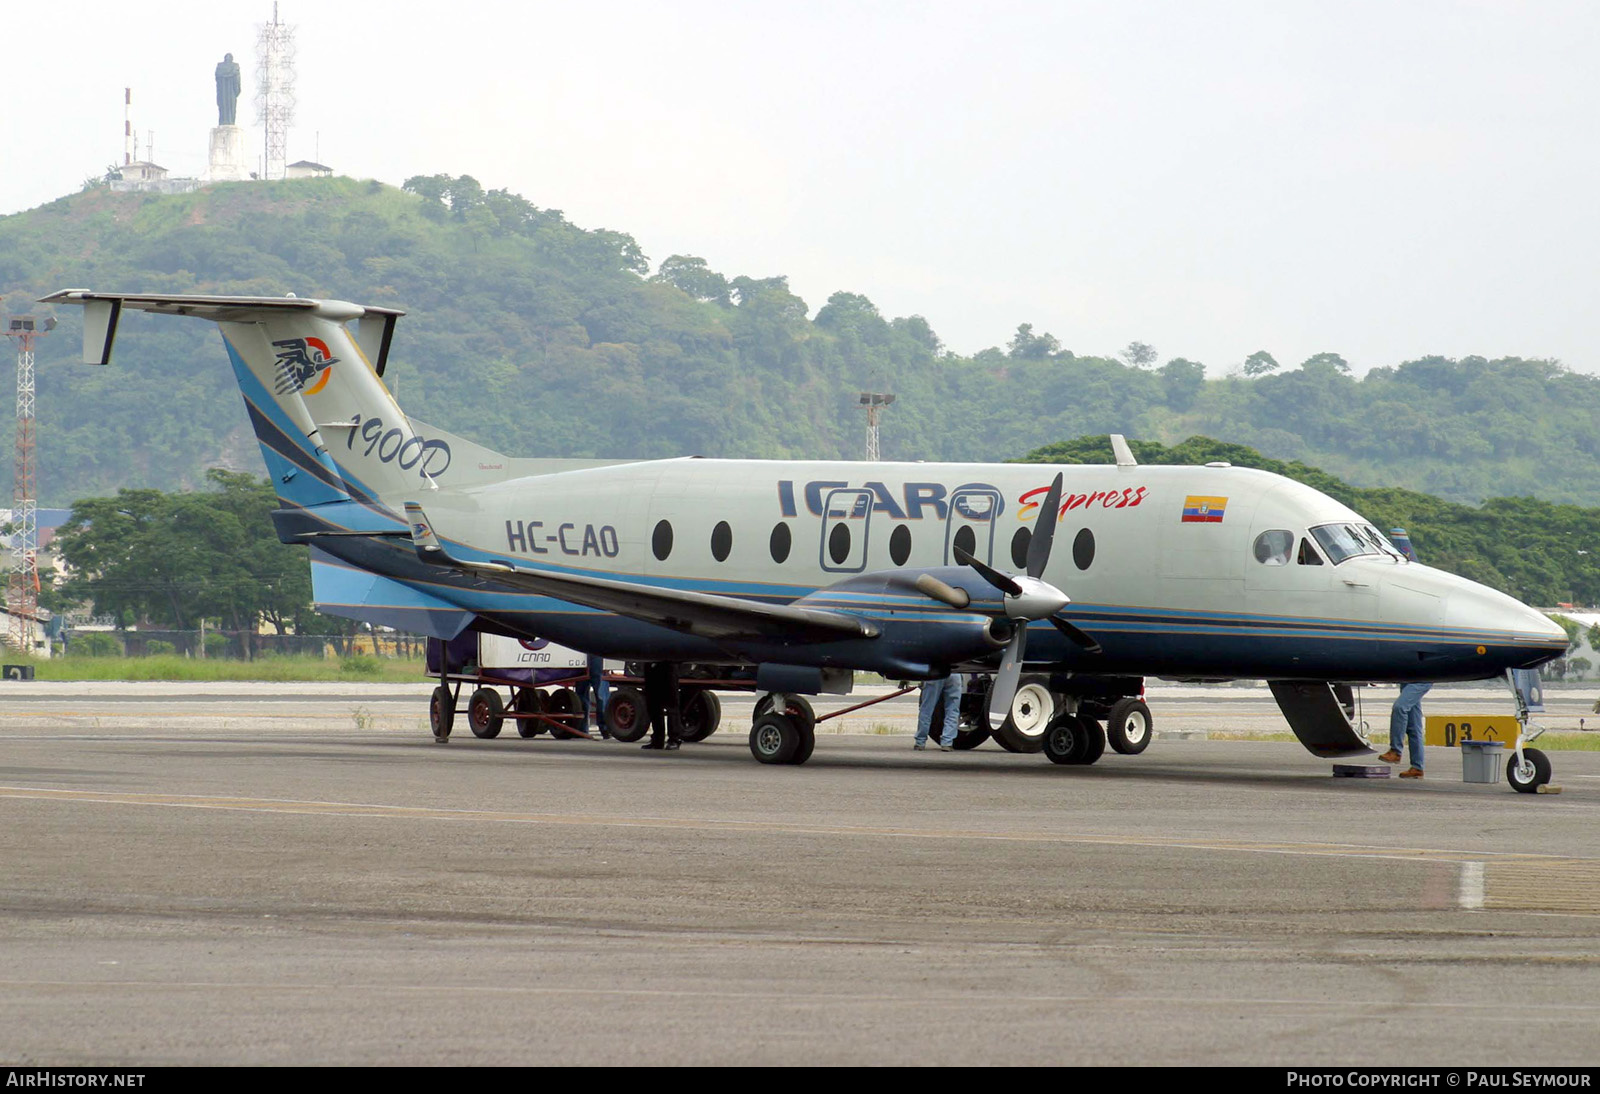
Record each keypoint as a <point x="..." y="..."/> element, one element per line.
<point x="1308" y="554"/>
<point x="1274" y="547"/>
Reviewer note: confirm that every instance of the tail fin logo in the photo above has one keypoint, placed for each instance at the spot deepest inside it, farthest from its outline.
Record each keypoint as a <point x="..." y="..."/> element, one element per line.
<point x="304" y="365"/>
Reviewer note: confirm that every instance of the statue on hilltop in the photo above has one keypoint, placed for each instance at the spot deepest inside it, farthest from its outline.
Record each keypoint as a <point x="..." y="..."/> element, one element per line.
<point x="227" y="90"/>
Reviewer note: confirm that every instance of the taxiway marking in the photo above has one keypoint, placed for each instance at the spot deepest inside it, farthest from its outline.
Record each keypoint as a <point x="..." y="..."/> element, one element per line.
<point x="291" y="806"/>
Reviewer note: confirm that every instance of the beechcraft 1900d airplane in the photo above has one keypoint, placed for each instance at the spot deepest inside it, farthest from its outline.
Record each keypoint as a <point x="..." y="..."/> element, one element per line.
<point x="805" y="572"/>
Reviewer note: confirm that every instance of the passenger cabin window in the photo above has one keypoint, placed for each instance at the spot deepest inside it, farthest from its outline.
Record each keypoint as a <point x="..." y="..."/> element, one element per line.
<point x="661" y="540"/>
<point x="1274" y="548"/>
<point x="900" y="545"/>
<point x="1350" y="540"/>
<point x="1308" y="554"/>
<point x="780" y="542"/>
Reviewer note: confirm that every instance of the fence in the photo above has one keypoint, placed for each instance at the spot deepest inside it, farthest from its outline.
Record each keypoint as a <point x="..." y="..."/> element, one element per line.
<point x="240" y="645"/>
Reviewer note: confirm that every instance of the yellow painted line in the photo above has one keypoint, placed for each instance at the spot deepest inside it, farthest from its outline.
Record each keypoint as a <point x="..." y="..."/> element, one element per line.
<point x="700" y="824"/>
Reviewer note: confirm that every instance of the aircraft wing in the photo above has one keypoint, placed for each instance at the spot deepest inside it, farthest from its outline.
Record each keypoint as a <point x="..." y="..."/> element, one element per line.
<point x="706" y="615"/>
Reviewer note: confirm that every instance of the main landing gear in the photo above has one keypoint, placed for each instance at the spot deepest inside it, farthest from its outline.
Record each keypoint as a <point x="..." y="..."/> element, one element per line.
<point x="784" y="729"/>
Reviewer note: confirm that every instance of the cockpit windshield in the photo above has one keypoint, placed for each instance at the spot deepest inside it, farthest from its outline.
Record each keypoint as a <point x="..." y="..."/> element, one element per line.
<point x="1348" y="540"/>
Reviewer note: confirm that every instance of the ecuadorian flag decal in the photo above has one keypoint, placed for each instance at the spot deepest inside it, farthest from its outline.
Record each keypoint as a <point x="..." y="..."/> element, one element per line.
<point x="1203" y="509"/>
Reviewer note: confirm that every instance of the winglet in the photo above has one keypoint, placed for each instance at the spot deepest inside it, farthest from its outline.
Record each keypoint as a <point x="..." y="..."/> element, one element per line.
<point x="422" y="536"/>
<point x="1119" y="445"/>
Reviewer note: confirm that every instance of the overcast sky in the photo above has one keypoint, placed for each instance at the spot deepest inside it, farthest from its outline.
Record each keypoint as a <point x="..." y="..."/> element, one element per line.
<point x="1382" y="180"/>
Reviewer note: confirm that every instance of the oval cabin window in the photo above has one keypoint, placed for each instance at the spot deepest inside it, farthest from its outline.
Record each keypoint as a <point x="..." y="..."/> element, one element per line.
<point x="1083" y="549"/>
<point x="721" y="541"/>
<point x="661" y="540"/>
<point x="900" y="545"/>
<point x="780" y="543"/>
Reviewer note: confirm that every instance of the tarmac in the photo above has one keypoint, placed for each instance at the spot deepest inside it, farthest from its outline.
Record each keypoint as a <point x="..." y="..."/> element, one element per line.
<point x="297" y="874"/>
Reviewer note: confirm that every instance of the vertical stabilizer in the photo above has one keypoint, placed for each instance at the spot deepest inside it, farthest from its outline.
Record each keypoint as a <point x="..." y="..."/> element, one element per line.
<point x="328" y="427"/>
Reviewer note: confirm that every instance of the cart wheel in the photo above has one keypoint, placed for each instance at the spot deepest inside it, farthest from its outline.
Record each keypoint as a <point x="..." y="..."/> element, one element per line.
<point x="1128" y="726"/>
<point x="702" y="713"/>
<point x="530" y="701"/>
<point x="627" y="718"/>
<point x="1528" y="776"/>
<point x="1033" y="708"/>
<point x="485" y="713"/>
<point x="442" y="712"/>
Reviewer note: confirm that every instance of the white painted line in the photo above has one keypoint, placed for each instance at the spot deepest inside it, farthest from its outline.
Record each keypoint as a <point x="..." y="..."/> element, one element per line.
<point x="1472" y="886"/>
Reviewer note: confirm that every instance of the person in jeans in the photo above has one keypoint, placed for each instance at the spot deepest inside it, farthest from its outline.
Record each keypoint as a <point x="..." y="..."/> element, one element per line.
<point x="1405" y="727"/>
<point x="950" y="689"/>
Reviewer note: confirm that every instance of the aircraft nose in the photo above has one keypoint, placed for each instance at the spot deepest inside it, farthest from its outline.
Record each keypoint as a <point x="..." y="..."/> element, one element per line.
<point x="1480" y="608"/>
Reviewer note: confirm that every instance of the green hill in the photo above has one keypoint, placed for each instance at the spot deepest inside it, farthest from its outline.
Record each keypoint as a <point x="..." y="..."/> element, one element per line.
<point x="537" y="337"/>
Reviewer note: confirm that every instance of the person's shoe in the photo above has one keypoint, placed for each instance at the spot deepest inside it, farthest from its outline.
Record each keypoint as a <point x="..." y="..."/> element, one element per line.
<point x="652" y="744"/>
<point x="1411" y="773"/>
<point x="1390" y="757"/>
<point x="919" y="745"/>
<point x="673" y="746"/>
<point x="946" y="748"/>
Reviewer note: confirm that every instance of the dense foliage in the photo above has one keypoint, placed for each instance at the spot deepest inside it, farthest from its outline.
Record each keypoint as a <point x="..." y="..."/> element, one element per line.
<point x="537" y="337"/>
<point x="1538" y="551"/>
<point x="147" y="557"/>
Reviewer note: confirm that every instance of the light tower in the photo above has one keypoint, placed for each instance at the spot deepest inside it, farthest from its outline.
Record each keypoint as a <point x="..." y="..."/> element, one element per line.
<point x="275" y="91"/>
<point x="22" y="583"/>
<point x="873" y="402"/>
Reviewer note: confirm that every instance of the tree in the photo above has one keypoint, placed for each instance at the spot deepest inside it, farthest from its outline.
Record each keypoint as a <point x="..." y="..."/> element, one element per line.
<point x="1182" y="381"/>
<point x="1032" y="347"/>
<point x="1323" y="362"/>
<point x="1139" y="354"/>
<point x="174" y="559"/>
<point x="693" y="276"/>
<point x="1260" y="363"/>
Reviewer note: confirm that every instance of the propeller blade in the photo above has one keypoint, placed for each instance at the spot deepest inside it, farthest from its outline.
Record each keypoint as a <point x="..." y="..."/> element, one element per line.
<point x="994" y="577"/>
<point x="1044" y="530"/>
<point x="945" y="593"/>
<point x="1004" y="688"/>
<point x="1074" y="634"/>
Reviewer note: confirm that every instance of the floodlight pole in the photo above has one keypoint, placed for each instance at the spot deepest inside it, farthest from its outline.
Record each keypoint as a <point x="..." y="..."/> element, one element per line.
<point x="873" y="402"/>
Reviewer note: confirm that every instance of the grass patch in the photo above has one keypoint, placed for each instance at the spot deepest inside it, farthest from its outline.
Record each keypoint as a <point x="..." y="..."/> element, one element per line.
<point x="264" y="669"/>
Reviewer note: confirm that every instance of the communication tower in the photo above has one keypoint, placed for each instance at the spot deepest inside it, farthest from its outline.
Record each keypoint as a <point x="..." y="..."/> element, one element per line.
<point x="873" y="402"/>
<point x="22" y="583"/>
<point x="275" y="91"/>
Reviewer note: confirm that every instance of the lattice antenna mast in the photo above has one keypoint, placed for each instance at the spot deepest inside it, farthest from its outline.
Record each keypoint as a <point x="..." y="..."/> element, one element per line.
<point x="22" y="583"/>
<point x="275" y="51"/>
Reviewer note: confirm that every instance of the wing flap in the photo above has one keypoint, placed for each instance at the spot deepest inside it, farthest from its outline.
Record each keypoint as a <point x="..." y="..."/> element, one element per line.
<point x="705" y="615"/>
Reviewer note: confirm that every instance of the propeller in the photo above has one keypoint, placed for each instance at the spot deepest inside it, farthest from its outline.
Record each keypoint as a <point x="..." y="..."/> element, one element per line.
<point x="1027" y="598"/>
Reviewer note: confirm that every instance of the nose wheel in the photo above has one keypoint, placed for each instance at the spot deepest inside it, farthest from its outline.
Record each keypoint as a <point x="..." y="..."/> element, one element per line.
<point x="1529" y="772"/>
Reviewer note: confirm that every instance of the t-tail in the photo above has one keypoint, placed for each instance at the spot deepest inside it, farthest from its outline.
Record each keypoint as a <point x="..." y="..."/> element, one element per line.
<point x="310" y="373"/>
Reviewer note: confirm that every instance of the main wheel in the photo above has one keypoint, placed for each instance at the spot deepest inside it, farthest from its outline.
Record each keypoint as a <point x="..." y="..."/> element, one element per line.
<point x="775" y="739"/>
<point x="702" y="713"/>
<point x="972" y="729"/>
<point x="795" y="706"/>
<point x="627" y="717"/>
<point x="1128" y="726"/>
<point x="485" y="713"/>
<point x="1532" y="773"/>
<point x="1094" y="744"/>
<point x="1032" y="709"/>
<point x="530" y="701"/>
<point x="1065" y="740"/>
<point x="442" y="711"/>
